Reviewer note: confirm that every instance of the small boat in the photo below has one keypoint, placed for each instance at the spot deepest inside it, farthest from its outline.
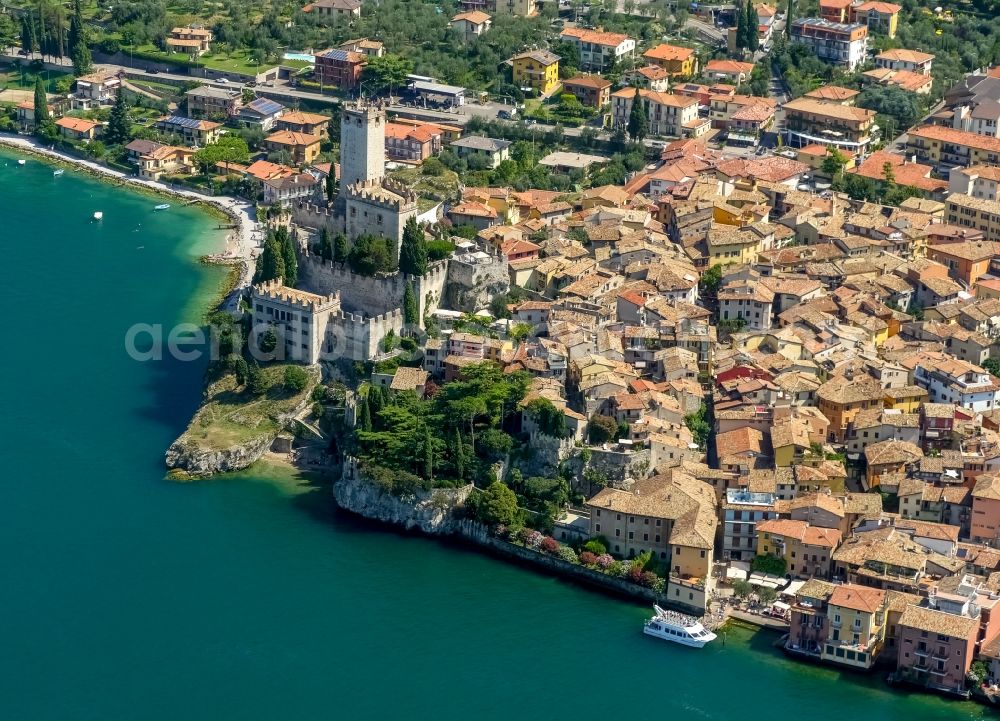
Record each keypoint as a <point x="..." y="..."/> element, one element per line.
<point x="98" y="215"/>
<point x="58" y="171"/>
<point x="162" y="206"/>
<point x="22" y="161"/>
<point x="677" y="627"/>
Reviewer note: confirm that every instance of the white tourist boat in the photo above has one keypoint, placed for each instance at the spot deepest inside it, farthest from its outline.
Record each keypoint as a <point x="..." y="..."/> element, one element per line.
<point x="58" y="171"/>
<point x="98" y="215"/>
<point x="162" y="206"/>
<point x="21" y="161"/>
<point x="678" y="627"/>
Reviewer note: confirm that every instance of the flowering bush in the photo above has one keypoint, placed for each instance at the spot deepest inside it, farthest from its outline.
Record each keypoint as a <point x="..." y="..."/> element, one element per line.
<point x="534" y="540"/>
<point x="604" y="561"/>
<point x="501" y="530"/>
<point x="588" y="559"/>
<point x="617" y="569"/>
<point x="635" y="572"/>
<point x="550" y="545"/>
<point x="659" y="585"/>
<point x="648" y="579"/>
<point x="567" y="554"/>
<point x="524" y="534"/>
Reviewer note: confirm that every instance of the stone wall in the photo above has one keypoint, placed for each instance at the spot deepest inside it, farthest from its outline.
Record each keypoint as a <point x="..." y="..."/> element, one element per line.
<point x="358" y="336"/>
<point x="472" y="285"/>
<point x="371" y="296"/>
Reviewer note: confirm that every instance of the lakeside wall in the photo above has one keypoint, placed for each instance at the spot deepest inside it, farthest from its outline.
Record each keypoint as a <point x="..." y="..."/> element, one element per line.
<point x="438" y="513"/>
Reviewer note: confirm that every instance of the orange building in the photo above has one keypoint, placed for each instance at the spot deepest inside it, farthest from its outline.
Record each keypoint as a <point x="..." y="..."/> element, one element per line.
<point x="985" y="527"/>
<point x="966" y="261"/>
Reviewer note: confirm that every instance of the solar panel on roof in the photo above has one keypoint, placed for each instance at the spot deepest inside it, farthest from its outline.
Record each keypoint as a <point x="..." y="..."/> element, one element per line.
<point x="336" y="55"/>
<point x="266" y="106"/>
<point x="182" y="121"/>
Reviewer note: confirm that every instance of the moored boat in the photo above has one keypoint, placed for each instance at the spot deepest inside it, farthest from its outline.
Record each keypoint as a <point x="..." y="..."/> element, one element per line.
<point x="677" y="627"/>
<point x="98" y="215"/>
<point x="58" y="171"/>
<point x="21" y="161"/>
<point x="162" y="206"/>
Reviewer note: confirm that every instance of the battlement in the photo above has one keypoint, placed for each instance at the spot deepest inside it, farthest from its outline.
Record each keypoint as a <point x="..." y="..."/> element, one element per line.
<point x="275" y="290"/>
<point x="365" y="319"/>
<point x="383" y="193"/>
<point x="365" y="106"/>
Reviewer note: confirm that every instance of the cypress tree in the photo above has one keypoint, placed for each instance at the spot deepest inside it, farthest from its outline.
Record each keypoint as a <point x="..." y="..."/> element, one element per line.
<point x="79" y="52"/>
<point x="41" y="104"/>
<point x="753" y="34"/>
<point x="638" y="123"/>
<point x="29" y="41"/>
<point x="410" y="311"/>
<point x="331" y="186"/>
<point x="413" y="249"/>
<point x="364" y="421"/>
<point x="458" y="455"/>
<point x="789" y="8"/>
<point x="271" y="264"/>
<point x="376" y="401"/>
<point x="291" y="261"/>
<point x="340" y="248"/>
<point x="325" y="244"/>
<point x="119" y="130"/>
<point x="428" y="455"/>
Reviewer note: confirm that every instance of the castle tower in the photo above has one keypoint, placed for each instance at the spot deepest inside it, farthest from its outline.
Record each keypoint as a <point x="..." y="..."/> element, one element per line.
<point x="362" y="142"/>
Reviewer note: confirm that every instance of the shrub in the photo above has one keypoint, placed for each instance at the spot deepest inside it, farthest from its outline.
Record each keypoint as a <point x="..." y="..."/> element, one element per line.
<point x="524" y="534"/>
<point x="617" y="569"/>
<point x="648" y="579"/>
<point x="588" y="559"/>
<point x="567" y="554"/>
<point x="595" y="547"/>
<point x="439" y="249"/>
<point x="604" y="561"/>
<point x="295" y="379"/>
<point x="550" y="545"/>
<point x="659" y="585"/>
<point x="635" y="572"/>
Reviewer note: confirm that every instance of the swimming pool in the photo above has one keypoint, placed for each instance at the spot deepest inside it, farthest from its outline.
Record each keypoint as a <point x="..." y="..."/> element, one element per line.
<point x="304" y="57"/>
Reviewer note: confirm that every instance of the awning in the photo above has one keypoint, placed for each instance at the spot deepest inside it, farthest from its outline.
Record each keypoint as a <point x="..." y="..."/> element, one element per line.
<point x="736" y="574"/>
<point x="792" y="589"/>
<point x="781" y="606"/>
<point x="765" y="580"/>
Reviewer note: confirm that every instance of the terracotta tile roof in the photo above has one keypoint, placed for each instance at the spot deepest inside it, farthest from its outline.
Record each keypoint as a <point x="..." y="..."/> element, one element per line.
<point x="831" y="92"/>
<point x="831" y="110"/>
<point x="728" y="66"/>
<point x="596" y="37"/>
<point x="801" y="531"/>
<point x="857" y="598"/>
<point x="957" y="137"/>
<point x="588" y="81"/>
<point x="905" y="56"/>
<point x="668" y="52"/>
<point x="79" y="125"/>
<point x="476" y="17"/>
<point x="946" y="624"/>
<point x="287" y="137"/>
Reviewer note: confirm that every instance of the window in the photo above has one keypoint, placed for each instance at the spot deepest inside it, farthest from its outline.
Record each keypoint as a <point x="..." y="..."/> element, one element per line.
<point x="598" y="525"/>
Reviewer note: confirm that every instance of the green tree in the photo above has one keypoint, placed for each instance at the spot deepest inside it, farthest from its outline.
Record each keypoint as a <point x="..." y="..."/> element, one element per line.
<point x="699" y="426"/>
<point x="413" y="249"/>
<point x="257" y="382"/>
<point x="458" y="454"/>
<point x="789" y="16"/>
<point x="993" y="366"/>
<point x="364" y="420"/>
<point x="340" y="248"/>
<point x="770" y="564"/>
<point x="387" y="72"/>
<point x="711" y="279"/>
<point x="767" y="595"/>
<point x="331" y="186"/>
<point x="229" y="148"/>
<point x="549" y="419"/>
<point x="602" y="429"/>
<point x="41" y="103"/>
<point x="498" y="505"/>
<point x="79" y="52"/>
<point x="741" y="29"/>
<point x="288" y="256"/>
<point x="833" y="163"/>
<point x="410" y="311"/>
<point x="271" y="264"/>
<point x="119" y="128"/>
<point x="325" y="244"/>
<point x="752" y="33"/>
<point x="268" y="340"/>
<point x="240" y="369"/>
<point x="295" y="379"/>
<point x="29" y="42"/>
<point x="742" y="589"/>
<point x="428" y="451"/>
<point x="888" y="174"/>
<point x="638" y="123"/>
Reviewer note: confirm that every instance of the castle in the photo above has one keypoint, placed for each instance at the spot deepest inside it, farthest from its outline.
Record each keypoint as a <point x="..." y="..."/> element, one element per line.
<point x="345" y="315"/>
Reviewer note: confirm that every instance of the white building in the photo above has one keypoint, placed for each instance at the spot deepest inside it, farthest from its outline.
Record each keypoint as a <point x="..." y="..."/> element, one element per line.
<point x="950" y="380"/>
<point x="979" y="181"/>
<point x="668" y="114"/>
<point x="837" y="43"/>
<point x="299" y="319"/>
<point x="751" y="302"/>
<point x="742" y="511"/>
<point x="599" y="51"/>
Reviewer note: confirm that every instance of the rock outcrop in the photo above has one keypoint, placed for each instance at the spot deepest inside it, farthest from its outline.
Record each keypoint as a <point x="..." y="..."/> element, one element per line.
<point x="429" y="511"/>
<point x="207" y="461"/>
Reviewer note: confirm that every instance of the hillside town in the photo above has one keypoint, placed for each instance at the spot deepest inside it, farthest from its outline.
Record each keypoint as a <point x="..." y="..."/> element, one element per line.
<point x="689" y="313"/>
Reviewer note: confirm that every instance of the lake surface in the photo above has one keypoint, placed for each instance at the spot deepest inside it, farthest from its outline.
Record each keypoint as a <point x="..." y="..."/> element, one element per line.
<point x="124" y="596"/>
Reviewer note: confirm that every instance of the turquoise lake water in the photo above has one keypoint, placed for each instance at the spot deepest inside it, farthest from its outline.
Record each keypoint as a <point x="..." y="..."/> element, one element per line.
<point x="127" y="597"/>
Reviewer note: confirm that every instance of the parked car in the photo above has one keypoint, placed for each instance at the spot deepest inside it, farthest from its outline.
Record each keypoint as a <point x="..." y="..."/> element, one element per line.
<point x="507" y="114"/>
<point x="153" y="71"/>
<point x="222" y="81"/>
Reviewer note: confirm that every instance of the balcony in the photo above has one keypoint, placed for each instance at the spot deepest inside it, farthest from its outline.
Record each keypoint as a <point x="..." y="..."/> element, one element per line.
<point x="921" y="653"/>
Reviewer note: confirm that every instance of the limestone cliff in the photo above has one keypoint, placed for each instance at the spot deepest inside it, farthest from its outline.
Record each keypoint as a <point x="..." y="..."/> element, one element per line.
<point x="428" y="511"/>
<point x="199" y="461"/>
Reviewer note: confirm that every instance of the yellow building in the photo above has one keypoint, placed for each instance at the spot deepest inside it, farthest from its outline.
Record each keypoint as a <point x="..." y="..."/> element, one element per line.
<point x="857" y="621"/>
<point x="536" y="69"/>
<point x="677" y="61"/>
<point x="880" y="17"/>
<point x="806" y="549"/>
<point x="906" y="399"/>
<point x="948" y="146"/>
<point x="731" y="243"/>
<point x="840" y="399"/>
<point x="521" y="8"/>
